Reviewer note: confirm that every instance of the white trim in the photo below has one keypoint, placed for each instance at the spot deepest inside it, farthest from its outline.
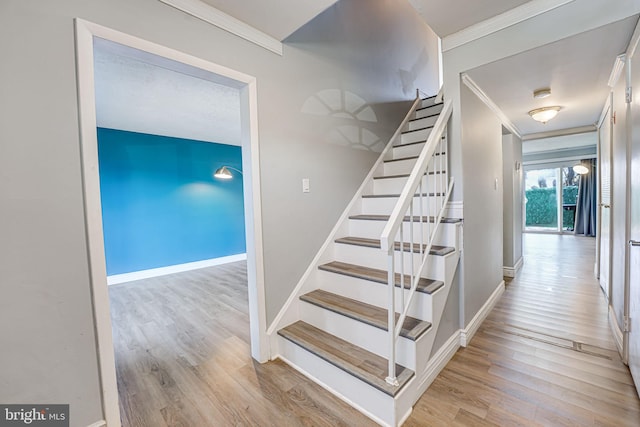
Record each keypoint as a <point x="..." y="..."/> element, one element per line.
<point x="226" y="22"/>
<point x="618" y="65"/>
<point x="171" y="269"/>
<point x="618" y="336"/>
<point x="439" y="361"/>
<point x="512" y="271"/>
<point x="468" y="81"/>
<point x="500" y="22"/>
<point x="100" y="423"/>
<point x="467" y="333"/>
<point x="558" y="160"/>
<point x="559" y="132"/>
<point x="85" y="33"/>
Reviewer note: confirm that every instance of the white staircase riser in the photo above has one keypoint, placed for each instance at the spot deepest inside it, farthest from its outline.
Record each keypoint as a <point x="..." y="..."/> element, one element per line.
<point x="374" y="293"/>
<point x="406" y="166"/>
<point x="376" y="258"/>
<point x="423" y="122"/>
<point x="415" y="136"/>
<point x="356" y="392"/>
<point x="359" y="333"/>
<point x="430" y="183"/>
<point x="399" y="167"/>
<point x="445" y="236"/>
<point x="385" y="205"/>
<point x="407" y="150"/>
<point x="423" y="112"/>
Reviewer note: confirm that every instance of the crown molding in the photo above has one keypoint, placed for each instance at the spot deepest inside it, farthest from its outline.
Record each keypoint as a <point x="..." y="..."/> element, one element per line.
<point x="226" y="22"/>
<point x="618" y="65"/>
<point x="468" y="81"/>
<point x="500" y="22"/>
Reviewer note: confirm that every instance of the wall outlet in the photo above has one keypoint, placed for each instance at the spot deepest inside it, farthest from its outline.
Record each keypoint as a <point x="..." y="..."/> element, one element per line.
<point x="305" y="185"/>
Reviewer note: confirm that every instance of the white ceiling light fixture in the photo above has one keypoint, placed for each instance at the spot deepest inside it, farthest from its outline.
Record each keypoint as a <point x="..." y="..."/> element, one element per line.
<point x="544" y="114"/>
<point x="542" y="93"/>
<point x="580" y="169"/>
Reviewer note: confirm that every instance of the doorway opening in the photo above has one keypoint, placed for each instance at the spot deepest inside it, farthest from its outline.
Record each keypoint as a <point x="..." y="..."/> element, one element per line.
<point x="86" y="35"/>
<point x="550" y="199"/>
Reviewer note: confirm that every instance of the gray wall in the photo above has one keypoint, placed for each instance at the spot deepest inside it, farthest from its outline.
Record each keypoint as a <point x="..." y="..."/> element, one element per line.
<point x="482" y="162"/>
<point x="378" y="50"/>
<point x="512" y="199"/>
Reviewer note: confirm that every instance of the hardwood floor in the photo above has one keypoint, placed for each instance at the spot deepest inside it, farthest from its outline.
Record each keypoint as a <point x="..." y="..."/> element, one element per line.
<point x="544" y="356"/>
<point x="183" y="359"/>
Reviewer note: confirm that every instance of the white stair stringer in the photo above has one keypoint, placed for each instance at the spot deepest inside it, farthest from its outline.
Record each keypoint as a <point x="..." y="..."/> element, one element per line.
<point x="377" y="195"/>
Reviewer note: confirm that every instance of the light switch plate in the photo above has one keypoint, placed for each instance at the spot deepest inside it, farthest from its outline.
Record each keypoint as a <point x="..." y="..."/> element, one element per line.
<point x="305" y="185"/>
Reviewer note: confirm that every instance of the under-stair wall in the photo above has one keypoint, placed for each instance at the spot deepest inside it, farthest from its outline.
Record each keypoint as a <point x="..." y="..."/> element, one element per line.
<point x="334" y="326"/>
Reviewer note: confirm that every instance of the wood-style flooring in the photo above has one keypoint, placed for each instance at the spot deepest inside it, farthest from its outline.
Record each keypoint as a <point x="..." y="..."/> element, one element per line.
<point x="544" y="356"/>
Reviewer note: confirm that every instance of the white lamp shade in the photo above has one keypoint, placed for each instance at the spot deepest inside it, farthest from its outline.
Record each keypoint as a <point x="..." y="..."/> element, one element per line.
<point x="580" y="169"/>
<point x="544" y="114"/>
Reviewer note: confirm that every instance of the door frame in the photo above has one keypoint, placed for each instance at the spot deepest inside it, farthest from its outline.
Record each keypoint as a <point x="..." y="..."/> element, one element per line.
<point x="85" y="32"/>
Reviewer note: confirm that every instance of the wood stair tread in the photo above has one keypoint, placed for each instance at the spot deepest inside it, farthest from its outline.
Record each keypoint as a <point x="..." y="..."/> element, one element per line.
<point x="373" y="217"/>
<point x="416" y="130"/>
<point x="430" y="115"/>
<point x="354" y="360"/>
<point x="411" y="143"/>
<point x="410" y="158"/>
<point x="373" y="196"/>
<point x="429" y="106"/>
<point x="406" y="175"/>
<point x="427" y="286"/>
<point x="370" y="314"/>
<point x="375" y="243"/>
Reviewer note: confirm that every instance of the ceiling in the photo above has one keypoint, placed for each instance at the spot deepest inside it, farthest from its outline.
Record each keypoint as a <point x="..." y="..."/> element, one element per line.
<point x="446" y="17"/>
<point x="277" y="18"/>
<point x="577" y="70"/>
<point x="140" y="92"/>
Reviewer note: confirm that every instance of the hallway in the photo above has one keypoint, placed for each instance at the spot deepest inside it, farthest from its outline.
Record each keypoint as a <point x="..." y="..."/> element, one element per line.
<point x="544" y="356"/>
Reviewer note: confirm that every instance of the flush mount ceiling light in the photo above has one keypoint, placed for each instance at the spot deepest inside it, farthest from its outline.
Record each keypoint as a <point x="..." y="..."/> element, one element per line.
<point x="580" y="169"/>
<point x="541" y="93"/>
<point x="544" y="114"/>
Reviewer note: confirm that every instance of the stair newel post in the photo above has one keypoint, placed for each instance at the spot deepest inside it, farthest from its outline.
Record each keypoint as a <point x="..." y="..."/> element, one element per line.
<point x="391" y="378"/>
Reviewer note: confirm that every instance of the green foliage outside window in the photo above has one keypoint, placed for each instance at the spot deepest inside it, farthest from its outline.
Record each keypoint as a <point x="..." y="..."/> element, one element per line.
<point x="541" y="207"/>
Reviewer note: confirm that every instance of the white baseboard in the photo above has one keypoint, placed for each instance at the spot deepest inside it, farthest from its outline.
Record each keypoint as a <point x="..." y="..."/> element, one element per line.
<point x="512" y="271"/>
<point x="618" y="336"/>
<point x="439" y="361"/>
<point x="178" y="268"/>
<point x="100" y="423"/>
<point x="467" y="333"/>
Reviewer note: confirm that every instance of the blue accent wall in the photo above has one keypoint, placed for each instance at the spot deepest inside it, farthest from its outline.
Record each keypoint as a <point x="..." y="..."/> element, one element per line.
<point x="161" y="205"/>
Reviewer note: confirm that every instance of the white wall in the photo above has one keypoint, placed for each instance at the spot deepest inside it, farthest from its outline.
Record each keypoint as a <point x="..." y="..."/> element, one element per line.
<point x="378" y="51"/>
<point x="512" y="199"/>
<point x="483" y="211"/>
<point x="618" y="200"/>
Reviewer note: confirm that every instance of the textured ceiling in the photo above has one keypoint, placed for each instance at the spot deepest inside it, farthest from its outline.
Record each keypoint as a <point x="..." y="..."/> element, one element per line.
<point x="140" y="92"/>
<point x="576" y="69"/>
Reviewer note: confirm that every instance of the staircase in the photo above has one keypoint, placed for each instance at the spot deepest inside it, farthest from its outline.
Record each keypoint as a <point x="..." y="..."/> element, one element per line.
<point x="393" y="247"/>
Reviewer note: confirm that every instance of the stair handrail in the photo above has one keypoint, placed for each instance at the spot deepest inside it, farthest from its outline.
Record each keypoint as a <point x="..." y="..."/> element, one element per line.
<point x="406" y="196"/>
<point x="393" y="227"/>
